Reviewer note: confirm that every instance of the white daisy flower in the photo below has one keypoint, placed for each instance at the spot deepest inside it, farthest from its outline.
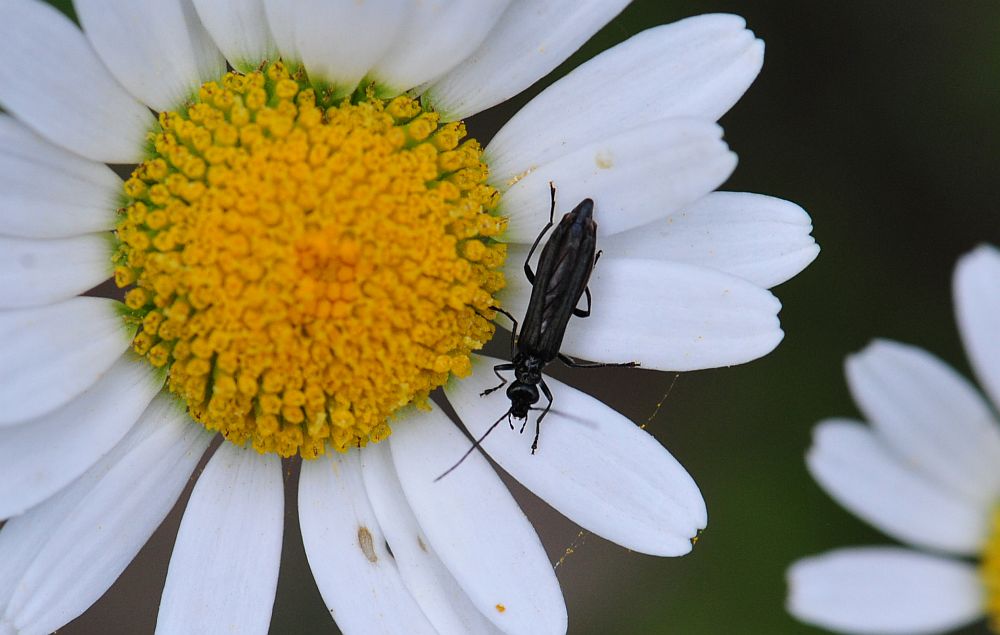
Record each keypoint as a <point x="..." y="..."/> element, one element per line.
<point x="926" y="472"/>
<point x="308" y="245"/>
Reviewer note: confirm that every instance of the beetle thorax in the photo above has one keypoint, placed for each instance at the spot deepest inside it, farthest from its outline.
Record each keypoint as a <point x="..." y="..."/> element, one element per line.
<point x="528" y="368"/>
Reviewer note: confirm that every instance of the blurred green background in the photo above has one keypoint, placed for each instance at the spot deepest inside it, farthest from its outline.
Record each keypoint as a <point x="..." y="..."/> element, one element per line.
<point x="881" y="120"/>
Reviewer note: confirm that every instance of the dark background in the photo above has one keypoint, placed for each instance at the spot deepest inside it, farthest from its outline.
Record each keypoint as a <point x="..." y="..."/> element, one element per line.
<point x="880" y="119"/>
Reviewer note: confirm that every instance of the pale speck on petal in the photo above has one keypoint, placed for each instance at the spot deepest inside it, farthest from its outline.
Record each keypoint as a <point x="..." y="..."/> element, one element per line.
<point x="656" y="169"/>
<point x="440" y="597"/>
<point x="696" y="67"/>
<point x="354" y="571"/>
<point x="36" y="272"/>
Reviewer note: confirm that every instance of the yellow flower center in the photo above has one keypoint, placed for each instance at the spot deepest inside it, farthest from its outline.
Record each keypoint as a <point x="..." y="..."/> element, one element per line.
<point x="304" y="268"/>
<point x="989" y="570"/>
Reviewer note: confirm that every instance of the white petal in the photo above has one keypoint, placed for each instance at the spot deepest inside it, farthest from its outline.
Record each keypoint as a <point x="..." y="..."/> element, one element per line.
<point x="443" y="602"/>
<point x="930" y="416"/>
<point x="760" y="238"/>
<point x="593" y="465"/>
<point x="22" y="538"/>
<point x="52" y="80"/>
<point x="157" y="49"/>
<point x="977" y="304"/>
<point x="281" y="24"/>
<point x="476" y="528"/>
<point x="341" y="41"/>
<point x="224" y="568"/>
<point x="354" y="571"/>
<point x="698" y="67"/>
<point x="883" y="591"/>
<point x="667" y="316"/>
<point x="861" y="474"/>
<point x="75" y="545"/>
<point x="634" y="177"/>
<point x="531" y="38"/>
<point x="40" y="457"/>
<point x="239" y="28"/>
<point x="42" y="271"/>
<point x="437" y="36"/>
<point x="53" y="353"/>
<point x="47" y="192"/>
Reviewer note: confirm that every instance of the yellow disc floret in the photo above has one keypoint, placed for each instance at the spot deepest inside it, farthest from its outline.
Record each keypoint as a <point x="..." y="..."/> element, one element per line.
<point x="989" y="570"/>
<point x="304" y="269"/>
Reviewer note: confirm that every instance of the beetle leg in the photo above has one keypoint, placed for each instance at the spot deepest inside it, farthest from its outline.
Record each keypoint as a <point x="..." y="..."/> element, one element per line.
<point x="581" y="313"/>
<point x="475" y="445"/>
<point x="538" y="421"/>
<point x="503" y="380"/>
<point x="572" y="363"/>
<point x="528" y="273"/>
<point x="509" y="316"/>
<point x="586" y="313"/>
<point x="552" y="197"/>
<point x="513" y="331"/>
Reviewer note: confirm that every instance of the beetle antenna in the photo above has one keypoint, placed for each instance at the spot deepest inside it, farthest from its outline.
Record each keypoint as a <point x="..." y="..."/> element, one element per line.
<point x="475" y="444"/>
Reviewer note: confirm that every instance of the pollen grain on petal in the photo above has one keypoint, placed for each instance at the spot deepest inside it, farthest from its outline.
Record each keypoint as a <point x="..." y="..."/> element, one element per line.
<point x="303" y="269"/>
<point x="367" y="544"/>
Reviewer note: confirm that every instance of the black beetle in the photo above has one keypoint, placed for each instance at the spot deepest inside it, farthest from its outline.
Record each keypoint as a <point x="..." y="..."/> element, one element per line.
<point x="564" y="268"/>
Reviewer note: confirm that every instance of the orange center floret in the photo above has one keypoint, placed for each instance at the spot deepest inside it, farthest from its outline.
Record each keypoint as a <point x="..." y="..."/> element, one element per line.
<point x="305" y="269"/>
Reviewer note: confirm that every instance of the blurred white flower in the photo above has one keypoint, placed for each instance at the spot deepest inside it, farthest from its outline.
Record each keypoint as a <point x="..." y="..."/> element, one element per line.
<point x="926" y="472"/>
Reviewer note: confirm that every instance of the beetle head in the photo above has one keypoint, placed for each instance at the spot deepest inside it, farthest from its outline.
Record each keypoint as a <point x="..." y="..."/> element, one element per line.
<point x="522" y="396"/>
